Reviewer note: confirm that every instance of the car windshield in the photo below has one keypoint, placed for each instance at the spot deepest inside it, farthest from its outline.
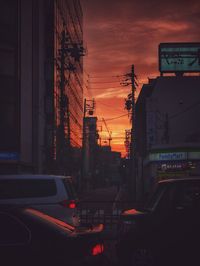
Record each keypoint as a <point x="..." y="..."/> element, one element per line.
<point x="154" y="198"/>
<point x="188" y="194"/>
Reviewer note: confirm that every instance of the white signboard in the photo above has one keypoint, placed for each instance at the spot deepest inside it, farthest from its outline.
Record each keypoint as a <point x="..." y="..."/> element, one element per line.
<point x="179" y="57"/>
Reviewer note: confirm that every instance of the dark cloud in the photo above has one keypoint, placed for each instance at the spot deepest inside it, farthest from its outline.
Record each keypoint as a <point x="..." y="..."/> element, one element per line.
<point x="138" y="10"/>
<point x="119" y="33"/>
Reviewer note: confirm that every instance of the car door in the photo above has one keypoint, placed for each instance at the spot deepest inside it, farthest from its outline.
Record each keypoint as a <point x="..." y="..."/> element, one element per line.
<point x="15" y="238"/>
<point x="187" y="212"/>
<point x="163" y="217"/>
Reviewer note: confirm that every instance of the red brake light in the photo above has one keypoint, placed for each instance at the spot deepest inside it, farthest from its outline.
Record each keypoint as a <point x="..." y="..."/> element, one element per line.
<point x="71" y="204"/>
<point x="97" y="249"/>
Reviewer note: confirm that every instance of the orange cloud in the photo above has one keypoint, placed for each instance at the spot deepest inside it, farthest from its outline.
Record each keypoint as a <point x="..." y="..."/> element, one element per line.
<point x="121" y="33"/>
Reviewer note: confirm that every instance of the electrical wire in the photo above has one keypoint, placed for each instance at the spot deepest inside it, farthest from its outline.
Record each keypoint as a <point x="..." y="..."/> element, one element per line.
<point x="111" y="87"/>
<point x="102" y="82"/>
<point x="185" y="110"/>
<point x="113" y="118"/>
<point x="118" y="137"/>
<point x="101" y="77"/>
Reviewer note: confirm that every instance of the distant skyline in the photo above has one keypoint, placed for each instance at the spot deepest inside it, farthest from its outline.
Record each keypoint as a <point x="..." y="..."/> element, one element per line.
<point x="119" y="33"/>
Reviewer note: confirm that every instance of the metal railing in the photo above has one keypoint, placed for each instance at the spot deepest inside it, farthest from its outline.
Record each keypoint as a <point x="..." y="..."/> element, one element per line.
<point x="105" y="212"/>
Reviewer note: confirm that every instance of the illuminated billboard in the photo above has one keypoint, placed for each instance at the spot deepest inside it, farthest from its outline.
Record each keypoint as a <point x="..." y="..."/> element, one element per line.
<point x="179" y="57"/>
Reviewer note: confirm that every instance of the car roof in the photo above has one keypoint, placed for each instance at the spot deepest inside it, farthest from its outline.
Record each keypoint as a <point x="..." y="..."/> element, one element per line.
<point x="29" y="176"/>
<point x="176" y="180"/>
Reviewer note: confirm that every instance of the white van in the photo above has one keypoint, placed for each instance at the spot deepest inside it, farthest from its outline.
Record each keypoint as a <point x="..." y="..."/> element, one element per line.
<point x="54" y="195"/>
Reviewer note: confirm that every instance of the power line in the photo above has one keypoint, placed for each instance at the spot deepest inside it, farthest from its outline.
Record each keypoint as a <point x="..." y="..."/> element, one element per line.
<point x="112" y="87"/>
<point x="88" y="86"/>
<point x="113" y="118"/>
<point x="101" y="77"/>
<point x="101" y="82"/>
<point x="86" y="72"/>
<point x="185" y="110"/>
<point x="118" y="137"/>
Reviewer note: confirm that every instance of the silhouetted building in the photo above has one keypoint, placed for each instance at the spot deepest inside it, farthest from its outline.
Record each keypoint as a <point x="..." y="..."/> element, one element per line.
<point x="41" y="103"/>
<point x="65" y="94"/>
<point x="167" y="130"/>
<point x="107" y="167"/>
<point x="90" y="156"/>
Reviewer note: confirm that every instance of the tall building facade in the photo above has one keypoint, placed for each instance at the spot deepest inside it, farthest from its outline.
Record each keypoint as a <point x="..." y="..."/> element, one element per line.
<point x="9" y="80"/>
<point x="65" y="94"/>
<point x="41" y="103"/>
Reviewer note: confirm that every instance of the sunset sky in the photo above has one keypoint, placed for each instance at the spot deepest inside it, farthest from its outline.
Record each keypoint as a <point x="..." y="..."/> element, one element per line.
<point x="119" y="33"/>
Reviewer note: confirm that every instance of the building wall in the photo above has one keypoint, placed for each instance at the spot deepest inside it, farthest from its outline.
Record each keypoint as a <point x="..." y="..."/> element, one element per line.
<point x="107" y="167"/>
<point x="18" y="66"/>
<point x="178" y="97"/>
<point x="172" y="126"/>
<point x="40" y="95"/>
<point x="68" y="18"/>
<point x="142" y="135"/>
<point x="29" y="102"/>
<point x="48" y="63"/>
<point x="26" y="80"/>
<point x="32" y="63"/>
<point x="9" y="78"/>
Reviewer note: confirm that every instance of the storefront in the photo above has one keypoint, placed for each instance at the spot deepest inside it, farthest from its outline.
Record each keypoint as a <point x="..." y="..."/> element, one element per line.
<point x="160" y="165"/>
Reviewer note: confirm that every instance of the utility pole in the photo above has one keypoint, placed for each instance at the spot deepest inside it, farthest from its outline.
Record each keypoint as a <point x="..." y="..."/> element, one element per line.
<point x="130" y="106"/>
<point x="133" y="112"/>
<point x="68" y="50"/>
<point x="64" y="137"/>
<point x="83" y="147"/>
<point x="127" y="142"/>
<point x="89" y="106"/>
<point x="132" y="150"/>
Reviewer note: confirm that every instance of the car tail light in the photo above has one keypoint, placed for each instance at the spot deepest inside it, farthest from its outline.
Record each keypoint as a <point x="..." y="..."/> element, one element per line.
<point x="71" y="204"/>
<point x="97" y="249"/>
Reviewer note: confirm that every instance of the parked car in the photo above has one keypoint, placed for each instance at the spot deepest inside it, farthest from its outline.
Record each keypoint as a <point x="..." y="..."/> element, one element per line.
<point x="54" y="195"/>
<point x="31" y="237"/>
<point x="167" y="230"/>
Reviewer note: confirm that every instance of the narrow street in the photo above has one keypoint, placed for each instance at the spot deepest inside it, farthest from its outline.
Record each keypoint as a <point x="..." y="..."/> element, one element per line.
<point x="99" y="132"/>
<point x="101" y="194"/>
<point x="103" y="200"/>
